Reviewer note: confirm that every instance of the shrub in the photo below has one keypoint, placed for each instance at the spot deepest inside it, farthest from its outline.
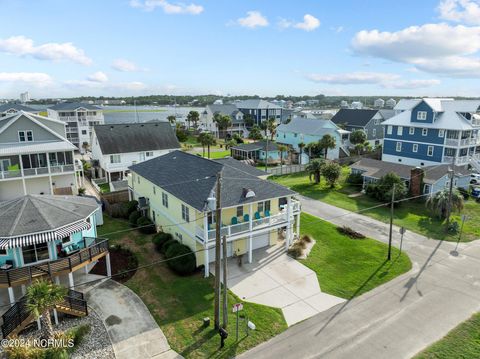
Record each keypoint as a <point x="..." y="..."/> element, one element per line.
<point x="306" y="238"/>
<point x="355" y="179"/>
<point x="453" y="227"/>
<point x="160" y="238"/>
<point x="130" y="206"/>
<point x="382" y="189"/>
<point x="133" y="218"/>
<point x="183" y="265"/>
<point x="295" y="251"/>
<point x="118" y="210"/>
<point x="146" y="226"/>
<point x="167" y="244"/>
<point x="181" y="135"/>
<point x="79" y="333"/>
<point x="350" y="232"/>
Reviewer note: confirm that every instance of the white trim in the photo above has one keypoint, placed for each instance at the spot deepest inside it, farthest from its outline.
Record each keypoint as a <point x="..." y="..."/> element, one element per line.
<point x="415" y="148"/>
<point x="423" y="117"/>
<point x="410" y="132"/>
<point x="428" y="150"/>
<point x="424" y="132"/>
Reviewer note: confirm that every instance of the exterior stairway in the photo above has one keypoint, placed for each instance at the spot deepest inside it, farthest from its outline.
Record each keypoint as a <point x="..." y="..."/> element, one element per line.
<point x="18" y="317"/>
<point x="475" y="164"/>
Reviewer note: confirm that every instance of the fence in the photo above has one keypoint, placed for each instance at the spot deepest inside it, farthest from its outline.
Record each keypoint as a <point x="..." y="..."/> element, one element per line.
<point x="284" y="170"/>
<point x="108" y="199"/>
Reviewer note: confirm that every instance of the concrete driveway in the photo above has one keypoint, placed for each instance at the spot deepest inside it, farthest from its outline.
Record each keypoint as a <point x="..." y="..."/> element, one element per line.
<point x="276" y="280"/>
<point x="130" y="326"/>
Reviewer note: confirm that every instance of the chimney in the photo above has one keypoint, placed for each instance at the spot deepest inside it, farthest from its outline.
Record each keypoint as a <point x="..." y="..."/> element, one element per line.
<point x="416" y="181"/>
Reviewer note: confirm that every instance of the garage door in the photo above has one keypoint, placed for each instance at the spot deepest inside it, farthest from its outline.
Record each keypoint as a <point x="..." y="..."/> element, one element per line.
<point x="211" y="252"/>
<point x="261" y="240"/>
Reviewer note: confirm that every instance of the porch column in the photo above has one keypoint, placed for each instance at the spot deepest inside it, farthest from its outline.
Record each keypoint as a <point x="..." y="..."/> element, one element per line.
<point x="57" y="280"/>
<point x="289" y="224"/>
<point x="70" y="280"/>
<point x="23" y="175"/>
<point x="55" y="315"/>
<point x="109" y="268"/>
<point x="24" y="289"/>
<point x="49" y="173"/>
<point x="11" y="296"/>
<point x="205" y="246"/>
<point x="250" y="227"/>
<point x="298" y="224"/>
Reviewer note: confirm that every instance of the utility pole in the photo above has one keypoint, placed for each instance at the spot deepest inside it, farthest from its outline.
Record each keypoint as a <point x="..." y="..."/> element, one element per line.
<point x="225" y="289"/>
<point x="451" y="175"/>
<point x="218" y="221"/>
<point x="391" y="224"/>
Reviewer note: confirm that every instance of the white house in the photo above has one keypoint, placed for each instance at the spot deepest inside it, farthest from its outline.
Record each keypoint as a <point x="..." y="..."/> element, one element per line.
<point x="80" y="119"/>
<point x="208" y="124"/>
<point x="117" y="147"/>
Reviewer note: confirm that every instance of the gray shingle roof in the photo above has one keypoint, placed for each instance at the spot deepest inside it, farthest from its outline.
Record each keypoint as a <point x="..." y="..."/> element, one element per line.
<point x="17" y="107"/>
<point x="229" y="161"/>
<point x="353" y="117"/>
<point x="192" y="179"/>
<point x="65" y="106"/>
<point x="38" y="213"/>
<point x="256" y="103"/>
<point x="307" y="126"/>
<point x="135" y="137"/>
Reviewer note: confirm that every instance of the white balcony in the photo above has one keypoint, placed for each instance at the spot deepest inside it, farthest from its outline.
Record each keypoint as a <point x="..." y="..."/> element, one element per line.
<point x="40" y="171"/>
<point x="456" y="160"/>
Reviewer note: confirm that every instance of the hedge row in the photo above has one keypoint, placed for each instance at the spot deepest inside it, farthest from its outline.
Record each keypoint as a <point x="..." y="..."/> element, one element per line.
<point x="180" y="257"/>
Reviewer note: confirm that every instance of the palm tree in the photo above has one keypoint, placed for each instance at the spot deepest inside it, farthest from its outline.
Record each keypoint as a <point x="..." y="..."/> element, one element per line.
<point x="202" y="138"/>
<point x="210" y="141"/>
<point x="314" y="168"/>
<point x="281" y="149"/>
<point x="194" y="117"/>
<point x="223" y="122"/>
<point x="42" y="296"/>
<point x="327" y="142"/>
<point x="301" y="145"/>
<point x="438" y="203"/>
<point x="272" y="127"/>
<point x="172" y="119"/>
<point x="230" y="144"/>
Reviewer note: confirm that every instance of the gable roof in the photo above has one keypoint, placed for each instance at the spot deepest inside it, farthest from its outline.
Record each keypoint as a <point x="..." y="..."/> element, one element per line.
<point x="307" y="126"/>
<point x="5" y="122"/>
<point x="136" y="137"/>
<point x="254" y="146"/>
<point x="39" y="213"/>
<point x="256" y="103"/>
<point x="227" y="109"/>
<point x="192" y="179"/>
<point x="241" y="166"/>
<point x="353" y="117"/>
<point x="65" y="106"/>
<point x="17" y="107"/>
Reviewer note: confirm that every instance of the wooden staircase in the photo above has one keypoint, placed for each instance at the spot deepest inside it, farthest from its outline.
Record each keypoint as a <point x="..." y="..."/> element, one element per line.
<point x="18" y="317"/>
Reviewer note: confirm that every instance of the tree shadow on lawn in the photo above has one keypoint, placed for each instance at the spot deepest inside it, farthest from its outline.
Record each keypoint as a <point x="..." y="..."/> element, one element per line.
<point x="383" y="266"/>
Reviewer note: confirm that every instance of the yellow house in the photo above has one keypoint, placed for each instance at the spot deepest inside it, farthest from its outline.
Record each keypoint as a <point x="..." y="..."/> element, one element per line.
<point x="179" y="189"/>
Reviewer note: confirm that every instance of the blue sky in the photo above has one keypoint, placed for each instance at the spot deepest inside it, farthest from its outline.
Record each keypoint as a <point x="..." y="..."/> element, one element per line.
<point x="55" y="48"/>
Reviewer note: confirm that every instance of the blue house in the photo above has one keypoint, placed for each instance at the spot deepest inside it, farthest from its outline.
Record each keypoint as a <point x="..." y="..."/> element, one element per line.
<point x="432" y="131"/>
<point x="260" y="110"/>
<point x="311" y="130"/>
<point x="259" y="152"/>
<point x="46" y="236"/>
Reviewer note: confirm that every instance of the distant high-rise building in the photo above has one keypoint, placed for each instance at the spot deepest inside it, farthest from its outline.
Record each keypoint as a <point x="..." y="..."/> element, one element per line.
<point x="25" y="97"/>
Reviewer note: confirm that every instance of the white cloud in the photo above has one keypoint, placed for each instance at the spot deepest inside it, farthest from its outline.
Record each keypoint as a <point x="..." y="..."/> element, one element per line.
<point x="466" y="11"/>
<point x="98" y="76"/>
<point x="37" y="78"/>
<point x="436" y="48"/>
<point x="383" y="79"/>
<point x="253" y="19"/>
<point x="23" y="46"/>
<point x="167" y="7"/>
<point x="124" y="65"/>
<point x="309" y="23"/>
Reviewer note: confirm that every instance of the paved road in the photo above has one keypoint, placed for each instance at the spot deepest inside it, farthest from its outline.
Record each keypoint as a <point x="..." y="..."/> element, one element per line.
<point x="395" y="320"/>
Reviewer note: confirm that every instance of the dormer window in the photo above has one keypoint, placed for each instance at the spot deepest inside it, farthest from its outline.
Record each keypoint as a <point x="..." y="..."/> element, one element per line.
<point x="421" y="115"/>
<point x="248" y="193"/>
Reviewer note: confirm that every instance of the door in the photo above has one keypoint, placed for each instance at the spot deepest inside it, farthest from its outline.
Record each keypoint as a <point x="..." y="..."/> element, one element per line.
<point x="261" y="240"/>
<point x="35" y="253"/>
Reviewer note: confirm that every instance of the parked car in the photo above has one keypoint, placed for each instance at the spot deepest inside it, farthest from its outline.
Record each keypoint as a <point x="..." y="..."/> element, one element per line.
<point x="475" y="178"/>
<point x="476" y="193"/>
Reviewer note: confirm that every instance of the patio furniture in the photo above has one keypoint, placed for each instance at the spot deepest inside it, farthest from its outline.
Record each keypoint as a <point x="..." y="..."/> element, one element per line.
<point x="267" y="213"/>
<point x="72" y="248"/>
<point x="246" y="218"/>
<point x="257" y="215"/>
<point x="8" y="265"/>
<point x="234" y="220"/>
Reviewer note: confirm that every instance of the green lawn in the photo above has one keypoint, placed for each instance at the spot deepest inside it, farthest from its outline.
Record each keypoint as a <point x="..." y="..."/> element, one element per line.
<point x="179" y="304"/>
<point x="412" y="214"/>
<point x="348" y="267"/>
<point x="462" y="342"/>
<point x="104" y="187"/>
<point x="218" y="154"/>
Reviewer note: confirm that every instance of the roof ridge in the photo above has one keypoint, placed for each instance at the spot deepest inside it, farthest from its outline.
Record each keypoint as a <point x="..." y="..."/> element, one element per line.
<point x="15" y="222"/>
<point x="56" y="206"/>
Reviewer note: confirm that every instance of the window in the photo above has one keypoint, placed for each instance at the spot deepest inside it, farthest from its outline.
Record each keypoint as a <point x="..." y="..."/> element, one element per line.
<point x="115" y="159"/>
<point x="211" y="218"/>
<point x="430" y="151"/>
<point x="65" y="239"/>
<point x="4" y="164"/>
<point x="377" y="121"/>
<point x="165" y="199"/>
<point x="399" y="147"/>
<point x="441" y="133"/>
<point x="415" y="148"/>
<point x="3" y="252"/>
<point x="260" y="207"/>
<point x="84" y="132"/>
<point x="295" y="135"/>
<point x="389" y="130"/>
<point x="154" y="190"/>
<point x="149" y="154"/>
<point x="411" y="131"/>
<point x="25" y="136"/>
<point x="185" y="213"/>
<point x="374" y="132"/>
<point x="421" y="115"/>
<point x="240" y="211"/>
<point x="267" y="206"/>
<point x="263" y="206"/>
<point x="138" y="179"/>
<point x="399" y="130"/>
<point x="424" y="131"/>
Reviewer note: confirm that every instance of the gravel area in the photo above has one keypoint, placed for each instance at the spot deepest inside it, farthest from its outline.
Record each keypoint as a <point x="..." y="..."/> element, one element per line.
<point x="96" y="344"/>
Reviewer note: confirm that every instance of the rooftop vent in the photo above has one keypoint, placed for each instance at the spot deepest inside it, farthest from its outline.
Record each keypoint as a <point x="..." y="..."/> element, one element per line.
<point x="248" y="193"/>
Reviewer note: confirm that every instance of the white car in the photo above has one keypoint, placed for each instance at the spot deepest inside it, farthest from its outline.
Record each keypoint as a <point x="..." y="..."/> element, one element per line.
<point x="475" y="178"/>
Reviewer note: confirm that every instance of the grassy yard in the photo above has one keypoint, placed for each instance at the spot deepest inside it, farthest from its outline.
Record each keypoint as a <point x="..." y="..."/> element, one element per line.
<point x="348" y="267"/>
<point x="217" y="154"/>
<point x="412" y="215"/>
<point x="462" y="342"/>
<point x="179" y="304"/>
<point x="104" y="187"/>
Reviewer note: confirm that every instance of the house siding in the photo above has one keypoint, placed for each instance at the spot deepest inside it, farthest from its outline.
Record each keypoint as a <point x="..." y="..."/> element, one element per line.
<point x="422" y="106"/>
<point x="389" y="148"/>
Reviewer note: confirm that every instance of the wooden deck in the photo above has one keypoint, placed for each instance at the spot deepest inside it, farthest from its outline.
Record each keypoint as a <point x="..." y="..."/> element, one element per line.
<point x="25" y="275"/>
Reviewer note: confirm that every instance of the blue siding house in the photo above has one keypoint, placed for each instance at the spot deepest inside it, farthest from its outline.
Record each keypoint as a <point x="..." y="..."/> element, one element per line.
<point x="433" y="131"/>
